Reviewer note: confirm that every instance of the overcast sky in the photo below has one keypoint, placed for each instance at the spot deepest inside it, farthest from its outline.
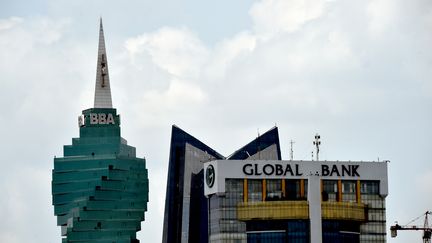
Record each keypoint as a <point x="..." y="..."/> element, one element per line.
<point x="359" y="73"/>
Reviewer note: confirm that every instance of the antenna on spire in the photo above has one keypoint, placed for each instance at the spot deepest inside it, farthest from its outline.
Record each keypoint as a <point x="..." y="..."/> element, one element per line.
<point x="317" y="143"/>
<point x="291" y="150"/>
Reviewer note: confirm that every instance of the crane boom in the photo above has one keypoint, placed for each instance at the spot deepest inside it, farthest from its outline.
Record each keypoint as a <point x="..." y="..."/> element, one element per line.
<point x="427" y="231"/>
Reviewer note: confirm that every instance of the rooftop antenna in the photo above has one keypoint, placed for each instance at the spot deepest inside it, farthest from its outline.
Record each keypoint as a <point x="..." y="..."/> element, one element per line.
<point x="317" y="143"/>
<point x="291" y="149"/>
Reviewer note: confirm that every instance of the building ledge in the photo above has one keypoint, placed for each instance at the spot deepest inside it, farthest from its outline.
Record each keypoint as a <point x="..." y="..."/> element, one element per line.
<point x="299" y="210"/>
<point x="343" y="211"/>
<point x="272" y="210"/>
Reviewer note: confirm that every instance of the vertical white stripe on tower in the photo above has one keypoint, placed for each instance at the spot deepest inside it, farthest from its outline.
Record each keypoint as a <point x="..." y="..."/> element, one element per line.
<point x="102" y="91"/>
<point x="314" y="198"/>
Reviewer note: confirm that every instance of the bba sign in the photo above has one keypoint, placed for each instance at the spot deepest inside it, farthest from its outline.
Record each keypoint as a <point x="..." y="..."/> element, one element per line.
<point x="101" y="119"/>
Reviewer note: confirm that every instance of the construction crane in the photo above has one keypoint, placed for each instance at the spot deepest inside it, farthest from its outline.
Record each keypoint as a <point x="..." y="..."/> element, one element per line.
<point x="427" y="230"/>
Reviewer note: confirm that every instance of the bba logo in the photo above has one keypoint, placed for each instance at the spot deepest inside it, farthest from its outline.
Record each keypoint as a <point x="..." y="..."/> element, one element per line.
<point x="101" y="119"/>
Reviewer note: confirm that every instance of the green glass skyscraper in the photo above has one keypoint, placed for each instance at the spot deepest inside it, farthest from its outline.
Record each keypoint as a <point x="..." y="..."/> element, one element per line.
<point x="99" y="186"/>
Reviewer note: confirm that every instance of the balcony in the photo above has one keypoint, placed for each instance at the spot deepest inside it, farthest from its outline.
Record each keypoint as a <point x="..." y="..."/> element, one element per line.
<point x="343" y="211"/>
<point x="272" y="210"/>
<point x="299" y="210"/>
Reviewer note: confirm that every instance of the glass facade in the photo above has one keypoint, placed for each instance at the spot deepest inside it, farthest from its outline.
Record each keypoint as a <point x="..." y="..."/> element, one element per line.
<point x="295" y="231"/>
<point x="189" y="215"/>
<point x="99" y="187"/>
<point x="185" y="203"/>
<point x="335" y="231"/>
<point x="241" y="210"/>
<point x="225" y="225"/>
<point x="269" y="236"/>
<point x="352" y="211"/>
<point x="374" y="230"/>
<point x="364" y="193"/>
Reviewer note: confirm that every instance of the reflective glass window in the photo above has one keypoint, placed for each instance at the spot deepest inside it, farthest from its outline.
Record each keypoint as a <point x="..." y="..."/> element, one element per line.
<point x="369" y="187"/>
<point x="348" y="191"/>
<point x="292" y="189"/>
<point x="273" y="190"/>
<point x="330" y="190"/>
<point x="254" y="190"/>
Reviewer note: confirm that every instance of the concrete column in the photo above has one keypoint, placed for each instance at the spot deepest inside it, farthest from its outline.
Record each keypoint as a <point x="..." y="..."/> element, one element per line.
<point x="314" y="199"/>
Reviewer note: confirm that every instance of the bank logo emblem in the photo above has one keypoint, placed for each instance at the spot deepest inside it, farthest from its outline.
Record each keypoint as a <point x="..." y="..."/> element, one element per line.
<point x="210" y="176"/>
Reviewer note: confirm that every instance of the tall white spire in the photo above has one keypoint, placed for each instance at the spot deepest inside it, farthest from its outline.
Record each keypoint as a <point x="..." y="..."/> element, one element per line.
<point x="102" y="91"/>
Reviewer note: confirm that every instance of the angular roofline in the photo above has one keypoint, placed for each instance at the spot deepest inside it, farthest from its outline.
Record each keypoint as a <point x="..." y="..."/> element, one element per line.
<point x="251" y="147"/>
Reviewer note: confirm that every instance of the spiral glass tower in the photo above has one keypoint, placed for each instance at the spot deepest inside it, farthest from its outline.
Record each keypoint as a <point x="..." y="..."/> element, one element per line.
<point x="99" y="186"/>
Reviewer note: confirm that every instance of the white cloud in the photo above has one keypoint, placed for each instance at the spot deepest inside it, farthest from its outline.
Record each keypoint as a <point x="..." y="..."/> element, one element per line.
<point x="382" y="15"/>
<point x="226" y="52"/>
<point x="41" y="76"/>
<point x="273" y="16"/>
<point x="178" y="51"/>
<point x="20" y="37"/>
<point x="24" y="205"/>
<point x="179" y="94"/>
<point x="157" y="185"/>
<point x="182" y="57"/>
<point x="9" y="23"/>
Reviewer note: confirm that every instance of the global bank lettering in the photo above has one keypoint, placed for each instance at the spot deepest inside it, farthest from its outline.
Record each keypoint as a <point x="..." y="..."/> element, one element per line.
<point x="295" y="170"/>
<point x="271" y="169"/>
<point x="343" y="170"/>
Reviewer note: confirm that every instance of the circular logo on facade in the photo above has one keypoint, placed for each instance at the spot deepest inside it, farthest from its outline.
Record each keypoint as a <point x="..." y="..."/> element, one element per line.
<point x="210" y="176"/>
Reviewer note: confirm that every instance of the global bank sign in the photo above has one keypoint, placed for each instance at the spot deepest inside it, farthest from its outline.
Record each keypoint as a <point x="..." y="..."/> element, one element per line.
<point x="218" y="171"/>
<point x="296" y="170"/>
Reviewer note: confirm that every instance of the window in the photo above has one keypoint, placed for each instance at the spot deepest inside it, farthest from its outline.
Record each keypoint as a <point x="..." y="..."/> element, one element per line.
<point x="254" y="190"/>
<point x="348" y="187"/>
<point x="330" y="186"/>
<point x="369" y="187"/>
<point x="274" y="190"/>
<point x="330" y="190"/>
<point x="349" y="191"/>
<point x="292" y="189"/>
